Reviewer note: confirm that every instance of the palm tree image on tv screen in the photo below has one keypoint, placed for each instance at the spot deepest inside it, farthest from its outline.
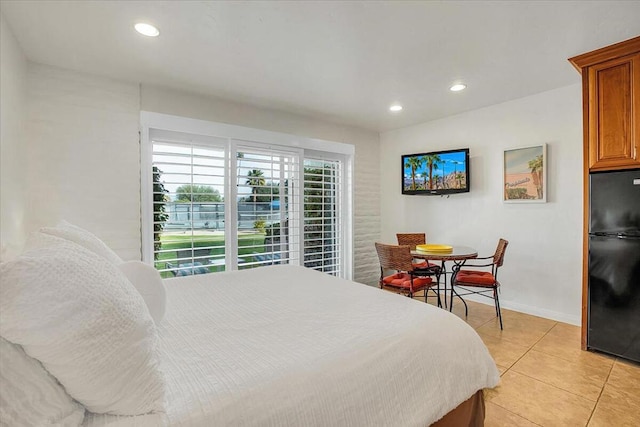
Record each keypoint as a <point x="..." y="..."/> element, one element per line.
<point x="439" y="172"/>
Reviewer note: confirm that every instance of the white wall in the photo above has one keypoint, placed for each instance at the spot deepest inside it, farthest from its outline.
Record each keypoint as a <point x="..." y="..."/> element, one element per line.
<point x="542" y="270"/>
<point x="13" y="69"/>
<point x="84" y="155"/>
<point x="366" y="191"/>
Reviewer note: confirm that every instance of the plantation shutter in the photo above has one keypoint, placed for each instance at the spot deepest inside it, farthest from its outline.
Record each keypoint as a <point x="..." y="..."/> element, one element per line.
<point x="323" y="225"/>
<point x="268" y="201"/>
<point x="189" y="211"/>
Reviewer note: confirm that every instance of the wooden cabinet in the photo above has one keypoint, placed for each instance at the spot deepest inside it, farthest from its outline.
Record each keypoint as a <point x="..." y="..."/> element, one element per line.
<point x="611" y="104"/>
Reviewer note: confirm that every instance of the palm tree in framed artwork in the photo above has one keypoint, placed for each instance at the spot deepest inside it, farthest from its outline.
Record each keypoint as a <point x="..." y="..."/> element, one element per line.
<point x="536" y="165"/>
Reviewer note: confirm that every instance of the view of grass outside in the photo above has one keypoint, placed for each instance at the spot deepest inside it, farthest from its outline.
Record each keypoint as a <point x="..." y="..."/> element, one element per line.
<point x="248" y="244"/>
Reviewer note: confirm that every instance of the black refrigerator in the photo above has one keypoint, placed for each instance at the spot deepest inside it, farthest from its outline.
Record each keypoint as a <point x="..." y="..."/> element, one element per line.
<point x="614" y="263"/>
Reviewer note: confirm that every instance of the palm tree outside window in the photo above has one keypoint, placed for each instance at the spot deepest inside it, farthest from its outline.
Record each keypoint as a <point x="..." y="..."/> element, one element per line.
<point x="255" y="181"/>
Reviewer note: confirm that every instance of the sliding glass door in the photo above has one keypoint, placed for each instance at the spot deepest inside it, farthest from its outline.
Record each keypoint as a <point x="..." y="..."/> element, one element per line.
<point x="267" y="204"/>
<point x="323" y="225"/>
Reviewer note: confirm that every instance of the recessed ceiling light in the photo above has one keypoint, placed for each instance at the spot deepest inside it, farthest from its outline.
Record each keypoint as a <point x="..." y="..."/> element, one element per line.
<point x="395" y="108"/>
<point x="147" y="29"/>
<point x="457" y="87"/>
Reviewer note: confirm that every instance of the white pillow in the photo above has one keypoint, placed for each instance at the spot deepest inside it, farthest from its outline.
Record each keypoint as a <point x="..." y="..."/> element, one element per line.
<point x="79" y="316"/>
<point x="38" y="240"/>
<point x="148" y="282"/>
<point x="84" y="238"/>
<point x="30" y="395"/>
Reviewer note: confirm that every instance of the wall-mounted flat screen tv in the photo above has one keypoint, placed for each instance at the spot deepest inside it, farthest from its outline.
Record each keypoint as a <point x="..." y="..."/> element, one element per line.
<point x="436" y="172"/>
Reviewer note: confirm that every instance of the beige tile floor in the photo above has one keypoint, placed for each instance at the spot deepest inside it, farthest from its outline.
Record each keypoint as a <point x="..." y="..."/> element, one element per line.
<point x="546" y="379"/>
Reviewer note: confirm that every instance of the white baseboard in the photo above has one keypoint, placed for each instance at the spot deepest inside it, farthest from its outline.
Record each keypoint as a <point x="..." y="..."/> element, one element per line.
<point x="522" y="308"/>
<point x="528" y="309"/>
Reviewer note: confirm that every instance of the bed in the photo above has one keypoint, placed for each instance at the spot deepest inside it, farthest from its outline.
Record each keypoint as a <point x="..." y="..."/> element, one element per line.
<point x="290" y="346"/>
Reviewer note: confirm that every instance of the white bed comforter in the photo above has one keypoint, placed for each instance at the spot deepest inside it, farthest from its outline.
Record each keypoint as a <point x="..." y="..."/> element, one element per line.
<point x="289" y="346"/>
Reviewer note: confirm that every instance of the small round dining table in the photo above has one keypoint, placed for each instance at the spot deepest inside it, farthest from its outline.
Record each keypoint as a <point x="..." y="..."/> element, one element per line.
<point x="458" y="255"/>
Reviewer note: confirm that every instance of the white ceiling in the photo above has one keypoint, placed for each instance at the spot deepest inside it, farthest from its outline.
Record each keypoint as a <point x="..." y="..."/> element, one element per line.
<point x="345" y="62"/>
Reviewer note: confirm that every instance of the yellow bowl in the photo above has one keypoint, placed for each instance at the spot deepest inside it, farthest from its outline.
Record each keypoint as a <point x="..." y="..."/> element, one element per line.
<point x="434" y="248"/>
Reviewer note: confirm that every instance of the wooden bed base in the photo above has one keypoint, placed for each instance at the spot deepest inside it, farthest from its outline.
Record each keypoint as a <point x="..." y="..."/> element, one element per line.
<point x="469" y="413"/>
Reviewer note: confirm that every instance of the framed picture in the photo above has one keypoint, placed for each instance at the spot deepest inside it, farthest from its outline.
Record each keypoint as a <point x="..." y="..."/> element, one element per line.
<point x="525" y="175"/>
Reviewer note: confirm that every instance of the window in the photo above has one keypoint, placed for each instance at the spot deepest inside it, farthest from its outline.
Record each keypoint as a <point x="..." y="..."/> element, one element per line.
<point x="188" y="208"/>
<point x="267" y="203"/>
<point x="322" y="207"/>
<point x="206" y="197"/>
